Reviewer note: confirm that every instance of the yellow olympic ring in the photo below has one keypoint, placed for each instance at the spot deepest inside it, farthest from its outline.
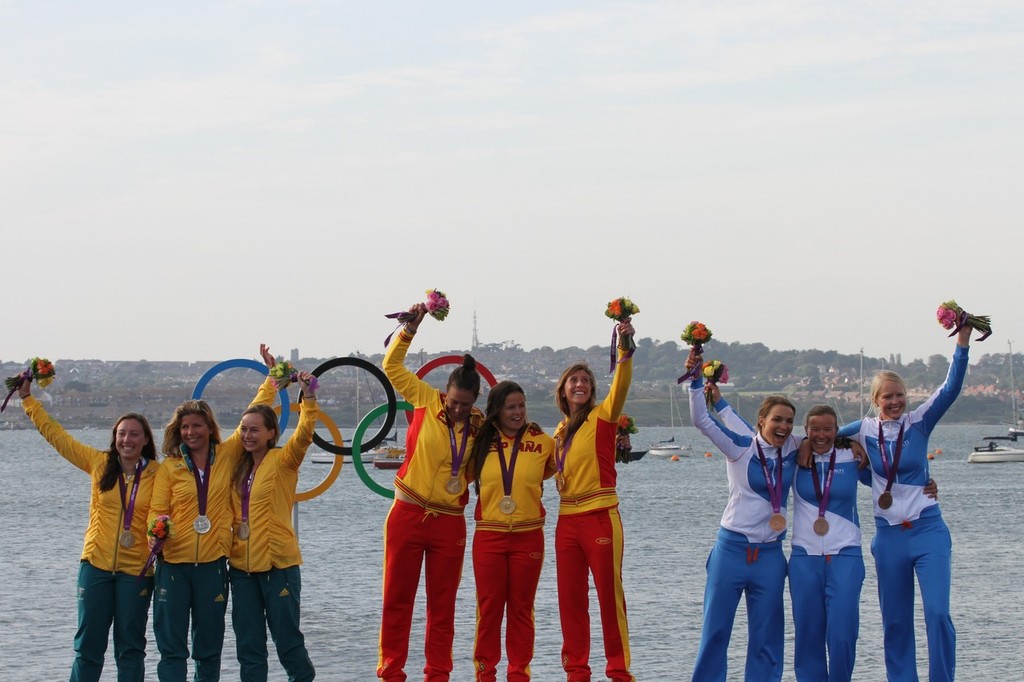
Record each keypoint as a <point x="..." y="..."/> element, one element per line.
<point x="332" y="475"/>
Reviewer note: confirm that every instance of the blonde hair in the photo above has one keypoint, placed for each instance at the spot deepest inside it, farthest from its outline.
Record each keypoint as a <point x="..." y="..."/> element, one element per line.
<point x="172" y="432"/>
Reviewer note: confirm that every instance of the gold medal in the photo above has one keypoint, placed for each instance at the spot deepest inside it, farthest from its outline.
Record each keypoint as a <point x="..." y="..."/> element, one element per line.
<point x="454" y="485"/>
<point x="202" y="525"/>
<point x="243" y="530"/>
<point x="885" y="500"/>
<point x="821" y="526"/>
<point x="507" y="505"/>
<point x="777" y="522"/>
<point x="126" y="539"/>
<point x="559" y="481"/>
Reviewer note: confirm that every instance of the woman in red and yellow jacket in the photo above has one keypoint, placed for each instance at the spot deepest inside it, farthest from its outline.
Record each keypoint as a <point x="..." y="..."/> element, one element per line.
<point x="264" y="564"/>
<point x="588" y="537"/>
<point x="114" y="554"/>
<point x="511" y="459"/>
<point x="427" y="521"/>
<point x="193" y="488"/>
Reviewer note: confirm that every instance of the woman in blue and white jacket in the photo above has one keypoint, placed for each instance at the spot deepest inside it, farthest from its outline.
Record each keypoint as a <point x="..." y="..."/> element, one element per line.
<point x="910" y="535"/>
<point x="747" y="555"/>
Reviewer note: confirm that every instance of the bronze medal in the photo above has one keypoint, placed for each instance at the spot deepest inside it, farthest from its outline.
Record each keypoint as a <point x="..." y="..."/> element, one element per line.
<point x="885" y="500"/>
<point x="202" y="525"/>
<point x="507" y="505"/>
<point x="777" y="522"/>
<point x="243" y="530"/>
<point x="454" y="485"/>
<point x="126" y="539"/>
<point x="559" y="481"/>
<point x="821" y="526"/>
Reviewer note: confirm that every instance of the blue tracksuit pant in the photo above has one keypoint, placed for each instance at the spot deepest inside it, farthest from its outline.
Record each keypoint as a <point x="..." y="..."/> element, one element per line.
<point x="735" y="567"/>
<point x="825" y="591"/>
<point x="923" y="547"/>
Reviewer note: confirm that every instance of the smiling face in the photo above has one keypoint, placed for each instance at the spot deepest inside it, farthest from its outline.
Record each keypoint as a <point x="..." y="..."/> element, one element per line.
<point x="129" y="440"/>
<point x="890" y="399"/>
<point x="195" y="433"/>
<point x="821" y="432"/>
<point x="777" y="424"/>
<point x="513" y="414"/>
<point x="257" y="436"/>
<point x="578" y="389"/>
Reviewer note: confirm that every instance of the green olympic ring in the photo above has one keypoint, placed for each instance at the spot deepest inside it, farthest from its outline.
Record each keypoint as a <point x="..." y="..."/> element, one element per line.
<point x="357" y="448"/>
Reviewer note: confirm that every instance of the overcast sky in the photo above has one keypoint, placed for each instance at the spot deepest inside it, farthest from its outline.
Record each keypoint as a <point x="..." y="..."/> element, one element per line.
<point x="180" y="181"/>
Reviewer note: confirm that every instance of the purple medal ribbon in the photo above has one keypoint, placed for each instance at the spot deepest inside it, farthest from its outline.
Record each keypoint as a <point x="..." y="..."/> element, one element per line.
<point x="23" y="377"/>
<point x="774" y="489"/>
<point x="564" y="450"/>
<point x="890" y="471"/>
<point x="246" y="492"/>
<point x="625" y="356"/>
<point x="508" y="469"/>
<point x="823" y="495"/>
<point x="129" y="509"/>
<point x="457" y="455"/>
<point x="402" y="316"/>
<point x="202" y="484"/>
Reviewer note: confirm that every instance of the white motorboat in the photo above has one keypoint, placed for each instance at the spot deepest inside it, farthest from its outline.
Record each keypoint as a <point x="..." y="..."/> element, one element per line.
<point x="1002" y="448"/>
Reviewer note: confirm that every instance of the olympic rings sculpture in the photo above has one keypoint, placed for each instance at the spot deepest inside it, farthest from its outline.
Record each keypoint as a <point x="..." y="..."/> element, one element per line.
<point x="356" y="450"/>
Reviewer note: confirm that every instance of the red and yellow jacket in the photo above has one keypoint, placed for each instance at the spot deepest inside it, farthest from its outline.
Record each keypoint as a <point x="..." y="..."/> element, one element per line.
<point x="428" y="453"/>
<point x="106" y="514"/>
<point x="589" y="469"/>
<point x="174" y="494"/>
<point x="534" y="463"/>
<point x="272" y="542"/>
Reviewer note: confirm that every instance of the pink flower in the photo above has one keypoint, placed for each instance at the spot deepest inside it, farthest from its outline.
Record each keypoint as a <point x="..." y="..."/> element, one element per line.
<point x="947" y="317"/>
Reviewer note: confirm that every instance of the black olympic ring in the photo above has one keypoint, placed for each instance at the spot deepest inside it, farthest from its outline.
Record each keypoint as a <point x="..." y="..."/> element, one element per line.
<point x="389" y="390"/>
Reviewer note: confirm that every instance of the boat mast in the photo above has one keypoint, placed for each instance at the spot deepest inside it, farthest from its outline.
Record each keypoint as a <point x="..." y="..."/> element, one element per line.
<point x="1014" y="420"/>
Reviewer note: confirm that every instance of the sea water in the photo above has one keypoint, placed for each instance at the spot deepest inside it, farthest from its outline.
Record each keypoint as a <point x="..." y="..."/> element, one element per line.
<point x="670" y="513"/>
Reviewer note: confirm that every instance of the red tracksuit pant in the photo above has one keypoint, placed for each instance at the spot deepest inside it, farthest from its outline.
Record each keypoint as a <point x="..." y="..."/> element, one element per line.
<point x="412" y="535"/>
<point x="507" y="570"/>
<point x="591" y="543"/>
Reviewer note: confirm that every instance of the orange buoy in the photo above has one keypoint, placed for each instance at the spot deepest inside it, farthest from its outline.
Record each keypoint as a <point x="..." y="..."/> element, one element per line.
<point x="674" y="458"/>
<point x="938" y="451"/>
<point x="931" y="455"/>
<point x="707" y="454"/>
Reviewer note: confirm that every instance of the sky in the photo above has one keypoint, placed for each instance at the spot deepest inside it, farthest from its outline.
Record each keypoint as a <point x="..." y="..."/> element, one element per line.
<point x="182" y="181"/>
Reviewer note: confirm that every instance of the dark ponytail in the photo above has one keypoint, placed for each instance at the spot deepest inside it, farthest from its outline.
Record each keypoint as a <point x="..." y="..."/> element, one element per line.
<point x="466" y="377"/>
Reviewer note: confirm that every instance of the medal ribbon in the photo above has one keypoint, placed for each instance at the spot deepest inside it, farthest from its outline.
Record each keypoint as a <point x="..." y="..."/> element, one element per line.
<point x="246" y="492"/>
<point x="457" y="455"/>
<point x="202" y="484"/>
<point x="508" y="469"/>
<point x="818" y="492"/>
<point x="129" y="509"/>
<point x="561" y="453"/>
<point x="774" y="489"/>
<point x="890" y="471"/>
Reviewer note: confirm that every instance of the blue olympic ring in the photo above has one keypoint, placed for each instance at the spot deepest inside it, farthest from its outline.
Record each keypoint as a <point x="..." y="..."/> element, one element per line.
<point x="243" y="363"/>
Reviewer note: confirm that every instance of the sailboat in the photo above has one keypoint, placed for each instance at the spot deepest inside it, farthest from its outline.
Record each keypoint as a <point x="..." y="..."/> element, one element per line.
<point x="993" y="449"/>
<point x="669" y="448"/>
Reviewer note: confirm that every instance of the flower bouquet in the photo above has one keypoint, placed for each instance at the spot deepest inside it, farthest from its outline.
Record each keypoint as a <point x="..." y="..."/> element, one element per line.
<point x="952" y="316"/>
<point x="284" y="373"/>
<point x="623" y="429"/>
<point x="159" y="529"/>
<point x="695" y="335"/>
<point x="438" y="308"/>
<point x="714" y="371"/>
<point x="39" y="370"/>
<point x="620" y="310"/>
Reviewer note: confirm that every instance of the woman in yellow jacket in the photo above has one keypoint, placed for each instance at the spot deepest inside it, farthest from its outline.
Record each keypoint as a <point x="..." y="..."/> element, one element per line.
<point x="511" y="458"/>
<point x="588" y="537"/>
<point x="265" y="557"/>
<point x="193" y="488"/>
<point x="109" y="588"/>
